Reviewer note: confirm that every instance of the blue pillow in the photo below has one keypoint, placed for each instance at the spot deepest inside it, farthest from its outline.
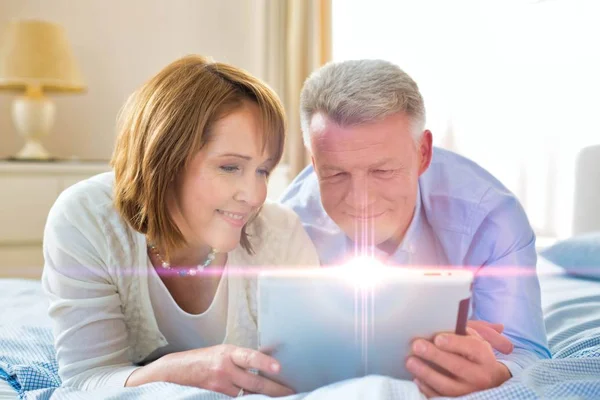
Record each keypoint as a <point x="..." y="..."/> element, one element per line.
<point x="579" y="255"/>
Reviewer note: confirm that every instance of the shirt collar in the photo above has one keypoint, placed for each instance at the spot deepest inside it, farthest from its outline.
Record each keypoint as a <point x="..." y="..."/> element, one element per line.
<point x="409" y="242"/>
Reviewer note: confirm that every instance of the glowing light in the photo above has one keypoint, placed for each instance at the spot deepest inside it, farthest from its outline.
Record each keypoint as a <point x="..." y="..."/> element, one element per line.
<point x="363" y="271"/>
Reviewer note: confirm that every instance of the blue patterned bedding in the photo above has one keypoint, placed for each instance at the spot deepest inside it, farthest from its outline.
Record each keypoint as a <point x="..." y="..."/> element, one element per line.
<point x="572" y="315"/>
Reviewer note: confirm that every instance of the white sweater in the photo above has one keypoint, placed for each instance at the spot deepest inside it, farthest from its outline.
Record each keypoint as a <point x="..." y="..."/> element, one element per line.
<point x="96" y="278"/>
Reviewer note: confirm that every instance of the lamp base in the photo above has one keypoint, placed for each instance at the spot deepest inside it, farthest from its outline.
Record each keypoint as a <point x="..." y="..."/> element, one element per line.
<point x="33" y="117"/>
<point x="33" y="150"/>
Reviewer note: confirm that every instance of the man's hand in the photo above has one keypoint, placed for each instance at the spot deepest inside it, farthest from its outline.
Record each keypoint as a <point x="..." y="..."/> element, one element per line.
<point x="492" y="333"/>
<point x="455" y="365"/>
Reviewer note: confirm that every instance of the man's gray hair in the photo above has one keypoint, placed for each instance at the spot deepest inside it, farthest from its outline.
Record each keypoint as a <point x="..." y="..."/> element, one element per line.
<point x="355" y="92"/>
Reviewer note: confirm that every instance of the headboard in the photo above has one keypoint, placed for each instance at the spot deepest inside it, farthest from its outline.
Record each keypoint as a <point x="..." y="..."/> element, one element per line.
<point x="586" y="215"/>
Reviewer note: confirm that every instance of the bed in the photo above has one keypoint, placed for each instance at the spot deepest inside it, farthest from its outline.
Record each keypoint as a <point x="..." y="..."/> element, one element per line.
<point x="571" y="306"/>
<point x="572" y="316"/>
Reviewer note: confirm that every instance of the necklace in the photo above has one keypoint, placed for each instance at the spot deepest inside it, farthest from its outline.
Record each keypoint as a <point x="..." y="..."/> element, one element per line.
<point x="184" y="271"/>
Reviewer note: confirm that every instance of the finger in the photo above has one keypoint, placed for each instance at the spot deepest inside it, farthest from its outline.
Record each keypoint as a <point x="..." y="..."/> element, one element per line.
<point x="434" y="379"/>
<point x="426" y="390"/>
<point x="470" y="347"/>
<point x="252" y="359"/>
<point x="229" y="390"/>
<point x="456" y="365"/>
<point x="259" y="384"/>
<point x="498" y="341"/>
<point x="474" y="333"/>
<point x="477" y="323"/>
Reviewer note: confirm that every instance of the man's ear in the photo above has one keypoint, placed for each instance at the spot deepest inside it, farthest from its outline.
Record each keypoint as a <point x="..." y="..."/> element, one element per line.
<point x="425" y="151"/>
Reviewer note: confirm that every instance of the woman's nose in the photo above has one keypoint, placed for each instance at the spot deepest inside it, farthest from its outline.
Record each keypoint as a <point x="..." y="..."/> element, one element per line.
<point x="252" y="192"/>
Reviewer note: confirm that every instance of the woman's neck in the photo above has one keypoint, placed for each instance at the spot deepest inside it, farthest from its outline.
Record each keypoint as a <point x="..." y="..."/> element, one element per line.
<point x="189" y="256"/>
<point x="192" y="256"/>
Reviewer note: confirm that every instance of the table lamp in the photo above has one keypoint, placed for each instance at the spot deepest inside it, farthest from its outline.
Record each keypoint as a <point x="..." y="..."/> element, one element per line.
<point x="36" y="58"/>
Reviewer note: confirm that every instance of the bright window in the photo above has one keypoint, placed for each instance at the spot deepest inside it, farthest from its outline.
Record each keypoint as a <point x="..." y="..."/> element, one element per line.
<point x="513" y="85"/>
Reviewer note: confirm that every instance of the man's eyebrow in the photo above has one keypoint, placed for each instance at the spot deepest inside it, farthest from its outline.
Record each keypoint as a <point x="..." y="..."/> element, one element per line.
<point x="382" y="162"/>
<point x="375" y="165"/>
<point x="331" y="167"/>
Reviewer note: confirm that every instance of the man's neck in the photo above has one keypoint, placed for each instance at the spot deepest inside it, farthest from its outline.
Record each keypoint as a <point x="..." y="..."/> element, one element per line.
<point x="389" y="246"/>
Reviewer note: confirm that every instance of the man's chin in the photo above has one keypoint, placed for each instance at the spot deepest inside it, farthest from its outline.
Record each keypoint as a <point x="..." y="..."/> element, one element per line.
<point x="369" y="239"/>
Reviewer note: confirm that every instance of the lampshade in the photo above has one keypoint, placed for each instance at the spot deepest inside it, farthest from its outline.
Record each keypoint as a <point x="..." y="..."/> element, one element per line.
<point x="37" y="54"/>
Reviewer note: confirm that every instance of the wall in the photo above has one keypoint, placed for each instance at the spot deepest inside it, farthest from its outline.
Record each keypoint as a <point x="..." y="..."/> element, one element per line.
<point x="119" y="44"/>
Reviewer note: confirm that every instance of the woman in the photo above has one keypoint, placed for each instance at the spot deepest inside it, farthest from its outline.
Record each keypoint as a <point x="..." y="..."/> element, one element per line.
<point x="144" y="267"/>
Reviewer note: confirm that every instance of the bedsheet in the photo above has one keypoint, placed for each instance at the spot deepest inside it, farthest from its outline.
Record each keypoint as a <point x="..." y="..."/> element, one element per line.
<point x="572" y="315"/>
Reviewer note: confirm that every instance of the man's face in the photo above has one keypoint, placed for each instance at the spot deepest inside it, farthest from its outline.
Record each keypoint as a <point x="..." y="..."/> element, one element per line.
<point x="368" y="175"/>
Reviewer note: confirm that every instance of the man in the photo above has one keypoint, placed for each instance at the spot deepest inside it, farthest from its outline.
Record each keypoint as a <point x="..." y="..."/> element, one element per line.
<point x="377" y="186"/>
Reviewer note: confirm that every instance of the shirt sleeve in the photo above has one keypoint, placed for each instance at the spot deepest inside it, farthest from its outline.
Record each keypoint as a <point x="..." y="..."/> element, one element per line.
<point x="506" y="288"/>
<point x="89" y="329"/>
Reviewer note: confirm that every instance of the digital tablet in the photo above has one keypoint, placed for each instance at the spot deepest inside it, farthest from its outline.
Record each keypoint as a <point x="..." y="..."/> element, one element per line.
<point x="330" y="324"/>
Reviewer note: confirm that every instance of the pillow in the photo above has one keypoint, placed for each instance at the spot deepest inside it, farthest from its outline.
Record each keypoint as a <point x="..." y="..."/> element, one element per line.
<point x="578" y="255"/>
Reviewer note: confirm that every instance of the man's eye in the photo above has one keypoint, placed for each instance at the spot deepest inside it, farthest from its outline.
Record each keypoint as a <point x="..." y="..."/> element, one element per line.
<point x="384" y="172"/>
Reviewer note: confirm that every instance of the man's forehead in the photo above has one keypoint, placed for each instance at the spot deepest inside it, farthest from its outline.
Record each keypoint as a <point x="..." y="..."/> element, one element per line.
<point x="341" y="144"/>
<point x="327" y="135"/>
<point x="360" y="162"/>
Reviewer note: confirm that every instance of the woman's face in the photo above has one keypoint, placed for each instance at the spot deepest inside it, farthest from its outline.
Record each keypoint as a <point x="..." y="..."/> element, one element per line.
<point x="225" y="183"/>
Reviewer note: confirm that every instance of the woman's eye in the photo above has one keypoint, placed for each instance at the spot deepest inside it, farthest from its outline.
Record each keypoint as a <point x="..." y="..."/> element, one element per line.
<point x="230" y="168"/>
<point x="264" y="172"/>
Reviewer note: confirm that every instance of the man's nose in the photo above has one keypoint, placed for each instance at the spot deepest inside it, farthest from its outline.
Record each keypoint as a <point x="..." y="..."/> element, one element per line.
<point x="360" y="196"/>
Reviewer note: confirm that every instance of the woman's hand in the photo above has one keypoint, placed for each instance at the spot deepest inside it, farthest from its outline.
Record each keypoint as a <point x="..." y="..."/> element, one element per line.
<point x="222" y="369"/>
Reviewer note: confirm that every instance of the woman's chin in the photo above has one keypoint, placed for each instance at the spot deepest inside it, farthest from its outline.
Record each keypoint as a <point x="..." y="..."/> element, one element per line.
<point x="225" y="246"/>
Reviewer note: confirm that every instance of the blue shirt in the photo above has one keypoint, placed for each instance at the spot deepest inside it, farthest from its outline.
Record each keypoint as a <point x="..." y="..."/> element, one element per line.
<point x="463" y="217"/>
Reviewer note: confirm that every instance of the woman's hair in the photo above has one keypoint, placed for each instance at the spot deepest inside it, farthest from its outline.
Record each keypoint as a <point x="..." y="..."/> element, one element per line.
<point x="166" y="122"/>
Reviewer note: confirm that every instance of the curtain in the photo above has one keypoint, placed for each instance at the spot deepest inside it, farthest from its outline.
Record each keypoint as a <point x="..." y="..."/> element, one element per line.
<point x="298" y="41"/>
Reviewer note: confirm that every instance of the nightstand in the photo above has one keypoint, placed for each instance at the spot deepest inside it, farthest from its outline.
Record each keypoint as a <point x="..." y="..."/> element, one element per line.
<point x="27" y="192"/>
